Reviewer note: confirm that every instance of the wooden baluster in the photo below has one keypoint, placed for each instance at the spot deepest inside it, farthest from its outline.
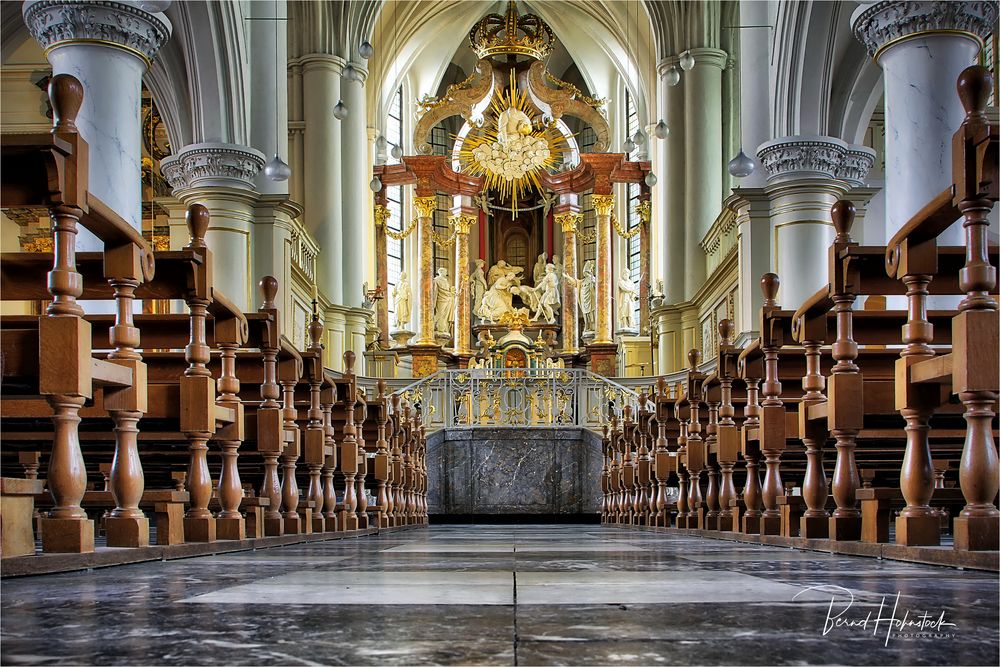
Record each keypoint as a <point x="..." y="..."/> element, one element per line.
<point x="362" y="496"/>
<point x="712" y="492"/>
<point x="328" y="399"/>
<point x="67" y="529"/>
<point x="395" y="456"/>
<point x="628" y="467"/>
<point x="411" y="468"/>
<point x="127" y="525"/>
<point x="695" y="448"/>
<point x="974" y="336"/>
<point x="917" y="523"/>
<point x="269" y="413"/>
<point x="315" y="428"/>
<point x="814" y="522"/>
<point x="198" y="391"/>
<point x="382" y="455"/>
<point x="662" y="455"/>
<point x="751" y="489"/>
<point x="349" y="456"/>
<point x="229" y="523"/>
<point x="605" y="474"/>
<point x="772" y="417"/>
<point x="728" y="436"/>
<point x="846" y="389"/>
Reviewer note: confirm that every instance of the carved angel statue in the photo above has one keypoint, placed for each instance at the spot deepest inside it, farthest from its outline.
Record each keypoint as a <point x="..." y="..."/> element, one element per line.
<point x="627" y="293"/>
<point x="443" y="298"/>
<point x="549" y="199"/>
<point x="401" y="296"/>
<point x="477" y="282"/>
<point x="484" y="202"/>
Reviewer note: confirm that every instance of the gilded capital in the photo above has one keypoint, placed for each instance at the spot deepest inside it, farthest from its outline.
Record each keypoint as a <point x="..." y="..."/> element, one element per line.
<point x="603" y="204"/>
<point x="569" y="221"/>
<point x="382" y="214"/>
<point x="645" y="211"/>
<point x="463" y="223"/>
<point x="425" y="206"/>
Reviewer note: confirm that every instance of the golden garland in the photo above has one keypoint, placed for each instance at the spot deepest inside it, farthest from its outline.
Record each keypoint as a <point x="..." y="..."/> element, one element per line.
<point x="586" y="237"/>
<point x="622" y="231"/>
<point x="594" y="102"/>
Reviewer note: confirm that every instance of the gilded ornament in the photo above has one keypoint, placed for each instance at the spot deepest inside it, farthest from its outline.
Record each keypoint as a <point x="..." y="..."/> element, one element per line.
<point x="569" y="222"/>
<point x="425" y="206"/>
<point x="603" y="204"/>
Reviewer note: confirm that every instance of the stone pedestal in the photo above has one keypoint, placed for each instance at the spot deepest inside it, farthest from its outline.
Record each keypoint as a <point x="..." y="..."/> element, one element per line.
<point x="603" y="359"/>
<point x="424" y="359"/>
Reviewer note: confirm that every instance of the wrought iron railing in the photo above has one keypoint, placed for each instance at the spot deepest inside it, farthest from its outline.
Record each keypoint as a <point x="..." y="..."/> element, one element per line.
<point x="523" y="397"/>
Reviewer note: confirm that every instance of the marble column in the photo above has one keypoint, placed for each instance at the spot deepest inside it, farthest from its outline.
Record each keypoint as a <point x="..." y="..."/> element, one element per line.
<point x="921" y="47"/>
<point x="805" y="176"/>
<point x="754" y="89"/>
<point x="753" y="238"/>
<point x="569" y="221"/>
<point x="355" y="172"/>
<point x="424" y="208"/>
<point x="465" y="216"/>
<point x="603" y="207"/>
<point x="269" y="88"/>
<point x="322" y="181"/>
<point x="220" y="176"/>
<point x="108" y="46"/>
<point x="702" y="159"/>
<point x="673" y="180"/>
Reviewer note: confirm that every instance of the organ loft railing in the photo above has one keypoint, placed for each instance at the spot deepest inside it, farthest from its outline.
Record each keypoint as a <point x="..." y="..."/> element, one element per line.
<point x="524" y="397"/>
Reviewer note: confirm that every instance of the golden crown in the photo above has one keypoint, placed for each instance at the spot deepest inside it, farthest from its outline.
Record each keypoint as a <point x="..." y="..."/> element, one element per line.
<point x="512" y="34"/>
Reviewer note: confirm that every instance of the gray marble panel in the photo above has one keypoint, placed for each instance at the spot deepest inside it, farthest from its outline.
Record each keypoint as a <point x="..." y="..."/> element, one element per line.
<point x="514" y="471"/>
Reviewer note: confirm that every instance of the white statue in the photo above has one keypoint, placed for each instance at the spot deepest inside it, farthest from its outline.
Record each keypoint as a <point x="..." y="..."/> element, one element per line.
<point x="497" y="300"/>
<point x="502" y="268"/>
<point x="443" y="298"/>
<point x="538" y="273"/>
<point x="401" y="297"/>
<point x="477" y="282"/>
<point x="556" y="262"/>
<point x="548" y="299"/>
<point x="588" y="295"/>
<point x="627" y="293"/>
<point x="529" y="296"/>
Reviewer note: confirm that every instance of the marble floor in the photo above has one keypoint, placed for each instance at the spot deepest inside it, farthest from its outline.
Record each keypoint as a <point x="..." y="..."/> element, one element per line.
<point x="505" y="595"/>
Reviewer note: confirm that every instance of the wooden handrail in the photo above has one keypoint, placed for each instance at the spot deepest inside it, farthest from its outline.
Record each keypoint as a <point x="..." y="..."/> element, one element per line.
<point x="115" y="231"/>
<point x="928" y="223"/>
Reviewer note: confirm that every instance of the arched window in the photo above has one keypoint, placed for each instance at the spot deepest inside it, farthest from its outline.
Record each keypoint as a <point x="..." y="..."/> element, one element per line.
<point x="634" y="246"/>
<point x="394" y="196"/>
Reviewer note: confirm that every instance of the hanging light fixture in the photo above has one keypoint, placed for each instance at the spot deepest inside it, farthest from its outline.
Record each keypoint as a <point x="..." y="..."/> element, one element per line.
<point x="742" y="165"/>
<point x="276" y="169"/>
<point x="650" y="179"/>
<point x="340" y="111"/>
<point x="375" y="184"/>
<point x="639" y="138"/>
<point x="673" y="76"/>
<point x="381" y="143"/>
<point x="366" y="50"/>
<point x="687" y="61"/>
<point x="661" y="130"/>
<point x="396" y="152"/>
<point x="628" y="146"/>
<point x="350" y="73"/>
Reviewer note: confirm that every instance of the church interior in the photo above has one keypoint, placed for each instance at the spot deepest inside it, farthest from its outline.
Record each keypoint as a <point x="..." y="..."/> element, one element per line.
<point x="535" y="332"/>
